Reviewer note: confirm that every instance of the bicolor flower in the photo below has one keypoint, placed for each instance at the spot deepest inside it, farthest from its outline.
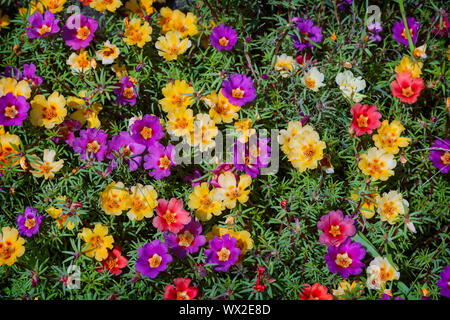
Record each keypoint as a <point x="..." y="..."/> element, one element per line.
<point x="336" y="228"/>
<point x="379" y="272"/>
<point x="351" y="85"/>
<point x="187" y="241"/>
<point x="48" y="112"/>
<point x="377" y="163"/>
<point x="42" y="25"/>
<point x="231" y="191"/>
<point x="142" y="202"/>
<point x="108" y="54"/>
<point x="137" y="34"/>
<point x="390" y="206"/>
<point x="313" y="79"/>
<point x="172" y="45"/>
<point x="388" y="137"/>
<point x="46" y="167"/>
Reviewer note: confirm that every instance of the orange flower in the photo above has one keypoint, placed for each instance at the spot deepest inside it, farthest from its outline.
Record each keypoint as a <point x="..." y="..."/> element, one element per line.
<point x="314" y="292"/>
<point x="407" y="88"/>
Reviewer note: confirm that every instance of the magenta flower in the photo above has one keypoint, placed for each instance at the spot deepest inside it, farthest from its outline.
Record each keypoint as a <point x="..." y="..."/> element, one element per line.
<point x="187" y="241"/>
<point x="152" y="259"/>
<point x="306" y="28"/>
<point x="223" y="37"/>
<point x="336" y="229"/>
<point x="443" y="283"/>
<point x="252" y="156"/>
<point x="42" y="26"/>
<point x="346" y="258"/>
<point x="66" y="131"/>
<point x="399" y="32"/>
<point x="126" y="93"/>
<point x="147" y="131"/>
<point x="160" y="160"/>
<point x="28" y="223"/>
<point x="79" y="31"/>
<point x="223" y="252"/>
<point x="239" y="89"/>
<point x="124" y="147"/>
<point x="28" y="74"/>
<point x="13" y="111"/>
<point x="91" y="144"/>
<point x="388" y="297"/>
<point x="374" y="30"/>
<point x="440" y="155"/>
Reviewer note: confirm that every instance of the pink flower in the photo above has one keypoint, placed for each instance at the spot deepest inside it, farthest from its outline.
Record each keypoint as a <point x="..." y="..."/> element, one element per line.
<point x="365" y="118"/>
<point x="336" y="229"/>
<point x="407" y="88"/>
<point x="171" y="215"/>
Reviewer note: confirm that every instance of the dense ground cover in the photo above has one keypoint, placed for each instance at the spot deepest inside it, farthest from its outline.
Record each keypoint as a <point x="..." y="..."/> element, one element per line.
<point x="97" y="99"/>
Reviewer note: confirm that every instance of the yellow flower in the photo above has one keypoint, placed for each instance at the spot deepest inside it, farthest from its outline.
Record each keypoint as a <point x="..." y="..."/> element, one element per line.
<point x="379" y="272"/>
<point x="61" y="218"/>
<point x="185" y="24"/>
<point x="205" y="131"/>
<point x="142" y="202"/>
<point x="54" y="5"/>
<point x="244" y="239"/>
<point x="114" y="199"/>
<point x="345" y="288"/>
<point x="9" y="157"/>
<point x="48" y="113"/>
<point x="102" y="5"/>
<point x="407" y="66"/>
<point x="180" y="123"/>
<point x="85" y="113"/>
<point x="378" y="164"/>
<point x="80" y="62"/>
<point x="137" y="34"/>
<point x="177" y="95"/>
<point x="108" y="54"/>
<point x="143" y="8"/>
<point x="229" y="192"/>
<point x="11" y="246"/>
<point x="285" y="64"/>
<point x="171" y="45"/>
<point x="4" y="20"/>
<point x="164" y="21"/>
<point x="35" y="5"/>
<point x="390" y="205"/>
<point x="10" y="85"/>
<point x="46" y="167"/>
<point x="368" y="205"/>
<point x="202" y="200"/>
<point x="388" y="137"/>
<point x="221" y="108"/>
<point x="98" y="242"/>
<point x="313" y="79"/>
<point x="288" y="135"/>
<point x="120" y="71"/>
<point x="244" y="129"/>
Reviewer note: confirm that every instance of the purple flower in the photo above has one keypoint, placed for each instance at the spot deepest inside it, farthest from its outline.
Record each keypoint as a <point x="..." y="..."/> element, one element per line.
<point x="160" y="160"/>
<point x="66" y="131"/>
<point x="126" y="94"/>
<point x="28" y="223"/>
<point x="11" y="72"/>
<point x="346" y="258"/>
<point x="388" y="297"/>
<point x="42" y="26"/>
<point x="342" y="5"/>
<point x="123" y="146"/>
<point x="223" y="37"/>
<point x="194" y="176"/>
<point x="251" y="156"/>
<point x="399" y="32"/>
<point x="147" y="131"/>
<point x="79" y="31"/>
<point x="223" y="252"/>
<point x="152" y="259"/>
<point x="29" y="75"/>
<point x="188" y="240"/>
<point x="13" y="111"/>
<point x="91" y="144"/>
<point x="239" y="89"/>
<point x="306" y="28"/>
<point x="444" y="282"/>
<point x="374" y="29"/>
<point x="440" y="155"/>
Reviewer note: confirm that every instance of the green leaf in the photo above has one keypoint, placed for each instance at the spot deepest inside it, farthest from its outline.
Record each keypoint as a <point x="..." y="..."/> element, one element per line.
<point x="359" y="237"/>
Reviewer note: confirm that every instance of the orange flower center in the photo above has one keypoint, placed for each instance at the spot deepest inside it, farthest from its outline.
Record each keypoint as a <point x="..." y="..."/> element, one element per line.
<point x="173" y="50"/>
<point x="376" y="166"/>
<point x="83" y="33"/>
<point x="223" y="254"/>
<point x="146" y="133"/>
<point x="93" y="146"/>
<point x="154" y="261"/>
<point x="223" y="41"/>
<point x="96" y="241"/>
<point x="128" y="92"/>
<point x="238" y="93"/>
<point x="182" y="295"/>
<point x="335" y="230"/>
<point x="6" y="250"/>
<point x="185" y="239"/>
<point x="30" y="223"/>
<point x="170" y="217"/>
<point x="46" y="167"/>
<point x="362" y="121"/>
<point x="411" y="32"/>
<point x="390" y="209"/>
<point x="11" y="111"/>
<point x="44" y="29"/>
<point x="111" y="262"/>
<point x="407" y="92"/>
<point x="446" y="158"/>
<point x="343" y="260"/>
<point x="49" y="112"/>
<point x="137" y="204"/>
<point x="108" y="52"/>
<point x="310" y="83"/>
<point x="114" y="202"/>
<point x="164" y="162"/>
<point x="308" y="151"/>
<point x="136" y="35"/>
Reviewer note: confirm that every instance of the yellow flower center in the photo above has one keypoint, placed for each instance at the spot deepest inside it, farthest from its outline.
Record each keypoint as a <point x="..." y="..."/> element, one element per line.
<point x="186" y="239"/>
<point x="136" y="35"/>
<point x="45" y="168"/>
<point x="362" y="121"/>
<point x="376" y="166"/>
<point x="49" y="112"/>
<point x="30" y="223"/>
<point x="111" y="262"/>
<point x="83" y="33"/>
<point x="137" y="204"/>
<point x="164" y="162"/>
<point x="223" y="254"/>
<point x="170" y="217"/>
<point x="308" y="151"/>
<point x="407" y="92"/>
<point x="154" y="261"/>
<point x="11" y="111"/>
<point x="182" y="296"/>
<point x="335" y="230"/>
<point x="238" y="93"/>
<point x="223" y="41"/>
<point x="128" y="92"/>
<point x="44" y="29"/>
<point x="446" y="158"/>
<point x="96" y="241"/>
<point x="93" y="147"/>
<point x="390" y="209"/>
<point x="146" y="133"/>
<point x="310" y="83"/>
<point x="343" y="260"/>
<point x="6" y="250"/>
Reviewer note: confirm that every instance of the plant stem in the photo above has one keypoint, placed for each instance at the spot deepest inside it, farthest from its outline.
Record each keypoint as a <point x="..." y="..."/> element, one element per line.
<point x="405" y="23"/>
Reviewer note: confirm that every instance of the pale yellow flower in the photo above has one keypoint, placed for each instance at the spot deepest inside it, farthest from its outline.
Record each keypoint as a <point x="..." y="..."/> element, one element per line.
<point x="46" y="167"/>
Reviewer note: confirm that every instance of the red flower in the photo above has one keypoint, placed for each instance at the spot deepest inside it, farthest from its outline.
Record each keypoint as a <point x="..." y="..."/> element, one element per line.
<point x="407" y="88"/>
<point x="314" y="292"/>
<point x="181" y="291"/>
<point x="85" y="2"/>
<point x="114" y="262"/>
<point x="171" y="215"/>
<point x="365" y="118"/>
<point x="305" y="59"/>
